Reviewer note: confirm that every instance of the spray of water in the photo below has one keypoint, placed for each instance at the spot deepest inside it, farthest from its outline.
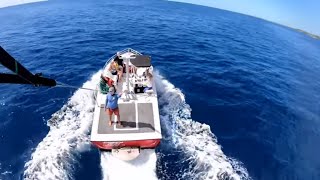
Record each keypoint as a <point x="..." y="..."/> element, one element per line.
<point x="143" y="167"/>
<point x="54" y="156"/>
<point x="204" y="155"/>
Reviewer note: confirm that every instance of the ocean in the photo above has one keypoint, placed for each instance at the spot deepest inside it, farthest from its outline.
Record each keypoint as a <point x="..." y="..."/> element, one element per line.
<point x="238" y="96"/>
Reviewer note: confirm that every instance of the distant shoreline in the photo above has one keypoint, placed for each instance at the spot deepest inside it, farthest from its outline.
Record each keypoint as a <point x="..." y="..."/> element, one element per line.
<point x="296" y="29"/>
<point x="307" y="33"/>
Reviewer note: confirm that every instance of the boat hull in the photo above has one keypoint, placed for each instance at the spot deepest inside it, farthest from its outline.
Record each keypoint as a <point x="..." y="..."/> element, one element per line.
<point x="139" y="111"/>
<point x="142" y="144"/>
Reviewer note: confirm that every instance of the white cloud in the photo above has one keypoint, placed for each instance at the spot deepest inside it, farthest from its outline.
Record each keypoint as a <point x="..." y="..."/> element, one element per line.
<point x="6" y="3"/>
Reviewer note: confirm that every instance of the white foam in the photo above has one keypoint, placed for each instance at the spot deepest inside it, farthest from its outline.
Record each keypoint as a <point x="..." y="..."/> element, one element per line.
<point x="194" y="138"/>
<point x="4" y="174"/>
<point x="7" y="3"/>
<point x="53" y="158"/>
<point x="143" y="167"/>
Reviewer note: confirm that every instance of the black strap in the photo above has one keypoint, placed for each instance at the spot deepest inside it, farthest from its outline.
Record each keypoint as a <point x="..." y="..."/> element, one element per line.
<point x="21" y="74"/>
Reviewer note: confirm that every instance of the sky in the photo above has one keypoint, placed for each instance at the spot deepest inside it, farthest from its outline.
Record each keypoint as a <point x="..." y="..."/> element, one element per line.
<point x="301" y="14"/>
<point x="7" y="3"/>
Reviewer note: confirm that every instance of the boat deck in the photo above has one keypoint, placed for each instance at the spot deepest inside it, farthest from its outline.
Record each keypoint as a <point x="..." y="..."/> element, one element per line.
<point x="139" y="112"/>
<point x="140" y="120"/>
<point x="132" y="122"/>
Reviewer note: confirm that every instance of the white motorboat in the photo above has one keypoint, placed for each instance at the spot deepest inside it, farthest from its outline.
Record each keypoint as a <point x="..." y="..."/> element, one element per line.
<point x="138" y="106"/>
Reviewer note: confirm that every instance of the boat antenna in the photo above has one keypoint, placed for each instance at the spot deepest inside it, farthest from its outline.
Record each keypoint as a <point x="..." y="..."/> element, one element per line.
<point x="21" y="74"/>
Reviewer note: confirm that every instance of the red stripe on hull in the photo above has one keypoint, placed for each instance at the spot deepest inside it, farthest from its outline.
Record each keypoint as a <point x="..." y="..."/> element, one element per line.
<point x="144" y="144"/>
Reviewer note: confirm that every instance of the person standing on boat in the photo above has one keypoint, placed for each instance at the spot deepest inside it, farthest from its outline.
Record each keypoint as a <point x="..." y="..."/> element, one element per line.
<point x="112" y="105"/>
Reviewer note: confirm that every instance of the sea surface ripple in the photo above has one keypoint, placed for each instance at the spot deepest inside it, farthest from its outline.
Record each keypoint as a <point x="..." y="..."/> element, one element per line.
<point x="236" y="92"/>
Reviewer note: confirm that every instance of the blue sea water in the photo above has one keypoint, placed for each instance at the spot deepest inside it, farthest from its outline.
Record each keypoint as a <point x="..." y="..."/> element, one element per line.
<point x="253" y="88"/>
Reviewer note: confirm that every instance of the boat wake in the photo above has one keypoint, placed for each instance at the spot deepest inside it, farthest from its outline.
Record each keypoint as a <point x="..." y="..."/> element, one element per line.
<point x="203" y="155"/>
<point x="69" y="135"/>
<point x="143" y="167"/>
<point x="54" y="157"/>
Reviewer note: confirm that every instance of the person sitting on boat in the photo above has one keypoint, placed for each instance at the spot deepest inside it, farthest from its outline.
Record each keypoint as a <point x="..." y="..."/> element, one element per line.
<point x="116" y="67"/>
<point x="118" y="60"/>
<point x="107" y="80"/>
<point x="112" y="105"/>
<point x="149" y="77"/>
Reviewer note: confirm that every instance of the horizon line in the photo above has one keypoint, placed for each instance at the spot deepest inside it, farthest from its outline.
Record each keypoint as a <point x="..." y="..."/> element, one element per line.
<point x="313" y="35"/>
